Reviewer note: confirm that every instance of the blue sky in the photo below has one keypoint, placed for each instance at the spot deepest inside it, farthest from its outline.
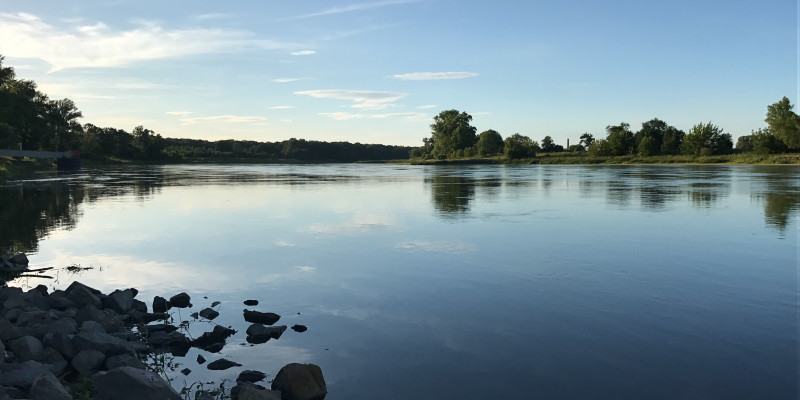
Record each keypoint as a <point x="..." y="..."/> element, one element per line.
<point x="378" y="71"/>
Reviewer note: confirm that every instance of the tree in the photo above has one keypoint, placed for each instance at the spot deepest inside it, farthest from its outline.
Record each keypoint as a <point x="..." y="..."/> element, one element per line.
<point x="548" y="145"/>
<point x="148" y="144"/>
<point x="744" y="144"/>
<point x="587" y="139"/>
<point x="763" y="141"/>
<point x="451" y="131"/>
<point x="672" y="140"/>
<point x="600" y="148"/>
<point x="519" y="146"/>
<point x="648" y="146"/>
<point x="489" y="143"/>
<point x="620" y="139"/>
<point x="706" y="139"/>
<point x="784" y="123"/>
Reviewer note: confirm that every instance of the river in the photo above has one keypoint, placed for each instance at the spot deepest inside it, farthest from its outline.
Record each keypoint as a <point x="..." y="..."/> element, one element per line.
<point x="433" y="282"/>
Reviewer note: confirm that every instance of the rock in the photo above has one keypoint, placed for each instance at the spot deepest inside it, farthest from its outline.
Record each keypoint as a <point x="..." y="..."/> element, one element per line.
<point x="209" y="313"/>
<point x="23" y="374"/>
<point x="201" y="359"/>
<point x="66" y="326"/>
<point x="27" y="348"/>
<point x="123" y="360"/>
<point x="257" y="333"/>
<point x="222" y="364"/>
<point x="160" y="305"/>
<point x="20" y="259"/>
<point x="217" y="335"/>
<point x="42" y="289"/>
<point x="139" y="305"/>
<point x="251" y="376"/>
<point x="214" y="347"/>
<point x="61" y="343"/>
<point x="261" y="317"/>
<point x="180" y="300"/>
<point x="216" y="303"/>
<point x="83" y="295"/>
<point x="150" y="329"/>
<point x="120" y="301"/>
<point x="127" y="383"/>
<point x="110" y="321"/>
<point x="299" y="328"/>
<point x="56" y="361"/>
<point x="186" y="371"/>
<point x="8" y="331"/>
<point x="105" y="343"/>
<point x="300" y="382"/>
<point x="251" y="303"/>
<point x="88" y="360"/>
<point x="47" y="387"/>
<point x="92" y="326"/>
<point x="248" y="391"/>
<point x="195" y="315"/>
<point x="146" y="318"/>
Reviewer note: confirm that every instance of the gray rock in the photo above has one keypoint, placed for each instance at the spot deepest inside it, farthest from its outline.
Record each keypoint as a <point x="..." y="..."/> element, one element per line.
<point x="257" y="333"/>
<point x="27" y="318"/>
<point x="88" y="360"/>
<point x="217" y="335"/>
<point x="139" y="306"/>
<point x="251" y="303"/>
<point x="186" y="371"/>
<point x="47" y="387"/>
<point x="120" y="301"/>
<point x="9" y="291"/>
<point x="300" y="382"/>
<point x="20" y="259"/>
<point x="180" y="300"/>
<point x="200" y="359"/>
<point x="299" y="328"/>
<point x="34" y="298"/>
<point x="248" y="391"/>
<point x="146" y="318"/>
<point x="150" y="329"/>
<point x="251" y="376"/>
<point x="23" y="374"/>
<point x="105" y="344"/>
<point x="222" y="364"/>
<point x="208" y="313"/>
<point x="66" y="326"/>
<point x="127" y="383"/>
<point x="8" y="393"/>
<point x="258" y="317"/>
<point x="8" y="331"/>
<point x="92" y="326"/>
<point x="42" y="289"/>
<point x="160" y="305"/>
<point x="60" y="342"/>
<point x="27" y="348"/>
<point x="55" y="360"/>
<point x="58" y="300"/>
<point x="82" y="295"/>
<point x="110" y="321"/>
<point x="123" y="360"/>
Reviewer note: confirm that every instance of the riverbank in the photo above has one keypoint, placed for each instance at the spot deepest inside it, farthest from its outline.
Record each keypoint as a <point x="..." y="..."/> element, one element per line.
<point x="79" y="343"/>
<point x="583" y="159"/>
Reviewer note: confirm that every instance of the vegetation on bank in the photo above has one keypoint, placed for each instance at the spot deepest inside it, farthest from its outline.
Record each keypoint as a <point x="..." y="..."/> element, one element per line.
<point x="31" y="120"/>
<point x="453" y="139"/>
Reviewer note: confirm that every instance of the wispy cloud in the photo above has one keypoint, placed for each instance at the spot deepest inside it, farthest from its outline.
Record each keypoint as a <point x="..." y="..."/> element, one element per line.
<point x="346" y="116"/>
<point x="303" y="53"/>
<point x="431" y="76"/>
<point x="281" y="107"/>
<point x="427" y="106"/>
<point x="139" y="85"/>
<point x="355" y="7"/>
<point x="286" y="80"/>
<point x="236" y="119"/>
<point x="179" y="113"/>
<point x="211" y="16"/>
<point x="363" y="99"/>
<point x="74" y="92"/>
<point x="27" y="36"/>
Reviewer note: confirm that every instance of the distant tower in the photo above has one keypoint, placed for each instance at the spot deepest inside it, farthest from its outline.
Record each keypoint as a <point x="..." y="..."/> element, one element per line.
<point x="567" y="142"/>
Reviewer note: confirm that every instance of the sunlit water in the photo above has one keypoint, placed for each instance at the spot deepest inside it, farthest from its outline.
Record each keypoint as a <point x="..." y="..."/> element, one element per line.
<point x="634" y="282"/>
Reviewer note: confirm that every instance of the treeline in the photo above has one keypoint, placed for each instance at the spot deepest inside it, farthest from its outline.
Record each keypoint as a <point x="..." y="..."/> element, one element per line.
<point x="453" y="137"/>
<point x="31" y="120"/>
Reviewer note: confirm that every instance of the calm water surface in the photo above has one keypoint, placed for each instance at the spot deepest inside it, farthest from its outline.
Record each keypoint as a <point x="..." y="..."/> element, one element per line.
<point x="634" y="282"/>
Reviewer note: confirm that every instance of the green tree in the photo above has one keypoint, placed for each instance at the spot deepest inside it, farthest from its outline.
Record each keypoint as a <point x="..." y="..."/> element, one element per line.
<point x="763" y="141"/>
<point x="489" y="143"/>
<point x="587" y="139"/>
<point x="648" y="146"/>
<point x="620" y="139"/>
<point x="706" y="139"/>
<point x="147" y="142"/>
<point x="451" y="131"/>
<point x="672" y="140"/>
<point x="744" y="144"/>
<point x="519" y="146"/>
<point x="601" y="148"/>
<point x="784" y="123"/>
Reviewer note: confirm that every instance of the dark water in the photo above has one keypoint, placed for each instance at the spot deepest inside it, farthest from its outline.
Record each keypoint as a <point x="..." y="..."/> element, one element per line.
<point x="634" y="282"/>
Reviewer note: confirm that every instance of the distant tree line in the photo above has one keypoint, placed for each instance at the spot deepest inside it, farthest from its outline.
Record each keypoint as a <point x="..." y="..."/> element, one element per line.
<point x="30" y="119"/>
<point x="452" y="136"/>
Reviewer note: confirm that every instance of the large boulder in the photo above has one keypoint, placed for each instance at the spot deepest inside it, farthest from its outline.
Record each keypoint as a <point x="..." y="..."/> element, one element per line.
<point x="222" y="364"/>
<point x="88" y="361"/>
<point x="300" y="382"/>
<point x="110" y="321"/>
<point x="60" y="342"/>
<point x="209" y="313"/>
<point x="120" y="301"/>
<point x="257" y="333"/>
<point x="128" y="383"/>
<point x="123" y="360"/>
<point x="251" y="376"/>
<point x="27" y="348"/>
<point x="216" y="336"/>
<point x="249" y="391"/>
<point x="180" y="300"/>
<point x="83" y="295"/>
<point x="160" y="305"/>
<point x="20" y="259"/>
<point x="258" y="317"/>
<point x="105" y="343"/>
<point x="47" y="387"/>
<point x="23" y="374"/>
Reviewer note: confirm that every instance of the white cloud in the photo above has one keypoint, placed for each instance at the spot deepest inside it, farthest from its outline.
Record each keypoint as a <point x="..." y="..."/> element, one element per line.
<point x="139" y="85"/>
<point x="355" y="7"/>
<point x="285" y="80"/>
<point x="281" y="107"/>
<point x="27" y="36"/>
<point x="204" y="17"/>
<point x="55" y="90"/>
<point x="430" y="76"/>
<point x="363" y="99"/>
<point x="427" y="106"/>
<point x="303" y="53"/>
<point x="179" y="113"/>
<point x="345" y="116"/>
<point x="222" y="118"/>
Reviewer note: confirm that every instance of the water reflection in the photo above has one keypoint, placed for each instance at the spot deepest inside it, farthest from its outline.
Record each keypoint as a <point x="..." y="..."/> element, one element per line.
<point x="780" y="195"/>
<point x="451" y="195"/>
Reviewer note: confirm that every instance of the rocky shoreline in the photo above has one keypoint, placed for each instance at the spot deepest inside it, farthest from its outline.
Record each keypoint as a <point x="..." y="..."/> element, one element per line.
<point x="79" y="343"/>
